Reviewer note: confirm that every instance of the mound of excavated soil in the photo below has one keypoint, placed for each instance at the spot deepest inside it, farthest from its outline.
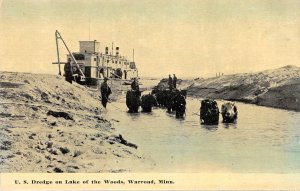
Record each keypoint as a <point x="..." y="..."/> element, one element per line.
<point x="285" y="96"/>
<point x="278" y="88"/>
<point x="49" y="125"/>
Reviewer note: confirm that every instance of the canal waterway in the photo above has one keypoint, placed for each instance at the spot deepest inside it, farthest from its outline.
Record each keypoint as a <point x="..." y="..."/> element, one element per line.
<point x="262" y="140"/>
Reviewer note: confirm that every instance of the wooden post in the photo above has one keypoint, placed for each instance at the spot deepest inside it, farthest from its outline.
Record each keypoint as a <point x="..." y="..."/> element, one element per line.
<point x="58" y="60"/>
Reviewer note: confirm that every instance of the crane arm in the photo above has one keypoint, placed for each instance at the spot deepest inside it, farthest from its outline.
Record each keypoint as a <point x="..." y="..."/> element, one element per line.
<point x="58" y="36"/>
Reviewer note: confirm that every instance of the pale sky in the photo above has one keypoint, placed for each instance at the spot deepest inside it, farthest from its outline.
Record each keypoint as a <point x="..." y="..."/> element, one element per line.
<point x="186" y="37"/>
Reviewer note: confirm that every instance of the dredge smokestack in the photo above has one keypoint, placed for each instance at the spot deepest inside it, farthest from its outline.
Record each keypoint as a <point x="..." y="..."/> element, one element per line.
<point x="117" y="51"/>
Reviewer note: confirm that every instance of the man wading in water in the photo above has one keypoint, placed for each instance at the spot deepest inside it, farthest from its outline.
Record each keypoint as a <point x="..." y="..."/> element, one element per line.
<point x="105" y="92"/>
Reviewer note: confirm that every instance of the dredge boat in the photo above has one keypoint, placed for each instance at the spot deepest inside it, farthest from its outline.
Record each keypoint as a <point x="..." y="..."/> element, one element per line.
<point x="89" y="65"/>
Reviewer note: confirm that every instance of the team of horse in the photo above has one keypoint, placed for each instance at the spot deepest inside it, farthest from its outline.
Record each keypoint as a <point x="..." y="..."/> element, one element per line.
<point x="209" y="112"/>
<point x="175" y="102"/>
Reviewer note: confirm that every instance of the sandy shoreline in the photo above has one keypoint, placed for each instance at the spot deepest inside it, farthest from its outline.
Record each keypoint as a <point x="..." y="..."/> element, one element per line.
<point x="34" y="139"/>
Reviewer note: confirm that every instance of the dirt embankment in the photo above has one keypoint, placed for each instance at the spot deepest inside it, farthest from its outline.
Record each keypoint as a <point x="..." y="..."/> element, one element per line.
<point x="49" y="125"/>
<point x="279" y="88"/>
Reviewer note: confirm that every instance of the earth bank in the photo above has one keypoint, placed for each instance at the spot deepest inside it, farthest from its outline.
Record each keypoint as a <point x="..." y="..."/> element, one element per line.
<point x="278" y="88"/>
<point x="49" y="125"/>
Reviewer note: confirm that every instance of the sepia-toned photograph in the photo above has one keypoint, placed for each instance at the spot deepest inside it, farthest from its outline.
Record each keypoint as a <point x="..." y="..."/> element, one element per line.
<point x="148" y="86"/>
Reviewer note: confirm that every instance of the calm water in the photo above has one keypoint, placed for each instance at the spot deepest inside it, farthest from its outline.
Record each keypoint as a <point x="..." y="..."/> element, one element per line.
<point x="262" y="140"/>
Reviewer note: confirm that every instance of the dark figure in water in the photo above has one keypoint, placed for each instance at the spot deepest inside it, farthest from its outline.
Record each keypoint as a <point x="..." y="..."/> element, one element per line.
<point x="169" y="96"/>
<point x="174" y="81"/>
<point x="148" y="101"/>
<point x="133" y="101"/>
<point x="179" y="105"/>
<point x="135" y="85"/>
<point x="209" y="112"/>
<point x="170" y="82"/>
<point x="68" y="71"/>
<point x="165" y="98"/>
<point x="176" y="102"/>
<point x="105" y="92"/>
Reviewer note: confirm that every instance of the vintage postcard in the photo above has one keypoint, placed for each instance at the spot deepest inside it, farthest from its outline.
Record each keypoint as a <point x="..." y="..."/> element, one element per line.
<point x="149" y="95"/>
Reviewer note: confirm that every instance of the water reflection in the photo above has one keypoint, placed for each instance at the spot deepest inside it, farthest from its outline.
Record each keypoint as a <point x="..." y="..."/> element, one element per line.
<point x="209" y="127"/>
<point x="133" y="116"/>
<point x="230" y="125"/>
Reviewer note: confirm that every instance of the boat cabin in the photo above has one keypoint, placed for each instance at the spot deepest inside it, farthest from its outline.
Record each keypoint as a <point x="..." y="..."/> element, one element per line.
<point x="97" y="65"/>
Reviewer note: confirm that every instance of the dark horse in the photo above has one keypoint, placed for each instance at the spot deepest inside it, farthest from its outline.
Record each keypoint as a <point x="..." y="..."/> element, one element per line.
<point x="173" y="100"/>
<point x="133" y="101"/>
<point x="148" y="101"/>
<point x="161" y="96"/>
<point x="209" y="112"/>
<point x="179" y="103"/>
